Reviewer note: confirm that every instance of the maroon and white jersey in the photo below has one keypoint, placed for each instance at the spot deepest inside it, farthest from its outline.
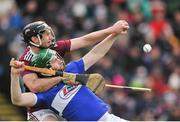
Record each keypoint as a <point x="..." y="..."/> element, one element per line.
<point x="62" y="47"/>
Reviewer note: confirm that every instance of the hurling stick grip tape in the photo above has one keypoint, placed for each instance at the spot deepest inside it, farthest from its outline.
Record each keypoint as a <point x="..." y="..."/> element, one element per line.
<point x="58" y="73"/>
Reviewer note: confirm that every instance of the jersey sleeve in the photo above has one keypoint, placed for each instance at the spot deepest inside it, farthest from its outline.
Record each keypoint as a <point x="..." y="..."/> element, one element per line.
<point x="26" y="58"/>
<point x="76" y="67"/>
<point x="40" y="100"/>
<point x="63" y="46"/>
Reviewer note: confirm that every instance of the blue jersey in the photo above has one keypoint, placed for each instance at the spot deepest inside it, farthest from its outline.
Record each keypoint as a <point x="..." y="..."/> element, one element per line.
<point x="74" y="103"/>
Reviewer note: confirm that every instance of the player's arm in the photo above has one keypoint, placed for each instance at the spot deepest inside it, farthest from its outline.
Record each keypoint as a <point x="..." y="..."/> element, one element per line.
<point x="17" y="97"/>
<point x="98" y="51"/>
<point x="94" y="37"/>
<point x="36" y="84"/>
<point x="95" y="84"/>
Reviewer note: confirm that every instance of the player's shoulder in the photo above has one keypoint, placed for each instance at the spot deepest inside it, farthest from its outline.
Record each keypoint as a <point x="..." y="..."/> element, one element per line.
<point x="62" y="42"/>
<point x="62" y="47"/>
<point x="26" y="55"/>
<point x="76" y="66"/>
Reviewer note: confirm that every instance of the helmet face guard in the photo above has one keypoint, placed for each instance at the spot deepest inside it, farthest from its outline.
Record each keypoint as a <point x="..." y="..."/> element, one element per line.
<point x="44" y="57"/>
<point x="36" y="29"/>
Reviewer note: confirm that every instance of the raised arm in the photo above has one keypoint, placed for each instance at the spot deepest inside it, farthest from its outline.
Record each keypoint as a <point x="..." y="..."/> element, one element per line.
<point x="98" y="51"/>
<point x="17" y="97"/>
<point x="103" y="47"/>
<point x="97" y="36"/>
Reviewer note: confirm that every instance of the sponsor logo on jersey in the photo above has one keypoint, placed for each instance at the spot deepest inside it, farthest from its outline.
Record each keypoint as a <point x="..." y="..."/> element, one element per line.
<point x="67" y="91"/>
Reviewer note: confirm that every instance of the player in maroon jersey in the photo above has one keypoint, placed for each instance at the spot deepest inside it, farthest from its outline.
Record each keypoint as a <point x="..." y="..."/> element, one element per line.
<point x="39" y="35"/>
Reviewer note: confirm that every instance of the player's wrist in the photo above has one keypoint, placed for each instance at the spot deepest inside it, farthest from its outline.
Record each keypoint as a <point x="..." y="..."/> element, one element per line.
<point x="109" y="30"/>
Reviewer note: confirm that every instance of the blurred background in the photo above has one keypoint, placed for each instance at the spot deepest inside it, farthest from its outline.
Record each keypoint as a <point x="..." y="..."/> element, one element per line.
<point x="156" y="22"/>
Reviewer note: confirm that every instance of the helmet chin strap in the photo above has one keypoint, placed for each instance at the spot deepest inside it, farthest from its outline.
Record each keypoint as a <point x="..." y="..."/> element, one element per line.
<point x="52" y="45"/>
<point x="34" y="44"/>
<point x="37" y="45"/>
<point x="40" y="43"/>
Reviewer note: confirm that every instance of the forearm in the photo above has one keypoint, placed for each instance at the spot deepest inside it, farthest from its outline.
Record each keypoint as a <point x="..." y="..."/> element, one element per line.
<point x="90" y="39"/>
<point x="97" y="36"/>
<point x="120" y="27"/>
<point x="99" y="51"/>
<point x="103" y="47"/>
<point x="19" y="98"/>
<point x="44" y="84"/>
<point x="15" y="89"/>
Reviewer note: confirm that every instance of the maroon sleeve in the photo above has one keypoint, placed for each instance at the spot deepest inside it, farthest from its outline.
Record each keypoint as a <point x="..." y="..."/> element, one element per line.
<point x="63" y="46"/>
<point x="26" y="58"/>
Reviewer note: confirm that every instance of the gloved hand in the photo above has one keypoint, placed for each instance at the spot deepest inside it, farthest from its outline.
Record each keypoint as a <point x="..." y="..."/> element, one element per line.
<point x="94" y="82"/>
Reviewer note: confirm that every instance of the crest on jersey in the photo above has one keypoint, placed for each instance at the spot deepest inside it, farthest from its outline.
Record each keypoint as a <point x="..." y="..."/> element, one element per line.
<point x="68" y="91"/>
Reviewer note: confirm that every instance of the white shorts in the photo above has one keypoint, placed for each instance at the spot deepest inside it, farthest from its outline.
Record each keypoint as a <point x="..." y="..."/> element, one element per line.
<point x="40" y="115"/>
<point x="111" y="118"/>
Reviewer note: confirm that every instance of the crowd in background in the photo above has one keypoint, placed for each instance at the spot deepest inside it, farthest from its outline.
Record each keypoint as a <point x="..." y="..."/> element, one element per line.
<point x="156" y="22"/>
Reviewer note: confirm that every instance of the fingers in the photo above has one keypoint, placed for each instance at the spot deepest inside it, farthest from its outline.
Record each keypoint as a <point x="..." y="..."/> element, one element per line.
<point x="19" y="64"/>
<point x="121" y="27"/>
<point x="16" y="66"/>
<point x="17" y="71"/>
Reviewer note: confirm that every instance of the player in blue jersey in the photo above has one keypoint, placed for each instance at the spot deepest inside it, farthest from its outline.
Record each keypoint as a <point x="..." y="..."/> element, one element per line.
<point x="74" y="102"/>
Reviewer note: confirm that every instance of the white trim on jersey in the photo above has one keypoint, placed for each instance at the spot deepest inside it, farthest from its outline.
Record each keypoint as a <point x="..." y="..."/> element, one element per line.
<point x="40" y="115"/>
<point x="32" y="51"/>
<point x="28" y="56"/>
<point x="60" y="102"/>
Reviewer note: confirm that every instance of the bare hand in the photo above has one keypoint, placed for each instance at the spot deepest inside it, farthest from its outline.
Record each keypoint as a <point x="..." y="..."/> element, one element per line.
<point x="18" y="68"/>
<point x="120" y="27"/>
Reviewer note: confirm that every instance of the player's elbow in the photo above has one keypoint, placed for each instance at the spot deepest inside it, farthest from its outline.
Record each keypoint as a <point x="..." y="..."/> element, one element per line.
<point x="16" y="101"/>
